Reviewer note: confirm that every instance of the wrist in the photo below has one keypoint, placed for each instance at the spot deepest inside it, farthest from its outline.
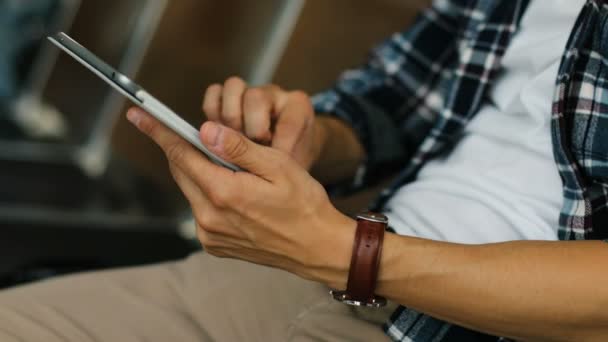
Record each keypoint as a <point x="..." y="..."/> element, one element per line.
<point x="365" y="261"/>
<point x="333" y="252"/>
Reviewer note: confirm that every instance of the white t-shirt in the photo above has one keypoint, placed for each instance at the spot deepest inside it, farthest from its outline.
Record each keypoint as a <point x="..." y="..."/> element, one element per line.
<point x="501" y="182"/>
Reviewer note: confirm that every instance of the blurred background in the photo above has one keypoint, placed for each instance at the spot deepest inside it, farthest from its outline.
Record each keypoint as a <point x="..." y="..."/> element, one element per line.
<point x="81" y="189"/>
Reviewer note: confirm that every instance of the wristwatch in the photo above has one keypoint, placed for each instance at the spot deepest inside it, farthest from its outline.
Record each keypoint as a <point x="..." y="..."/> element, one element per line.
<point x="364" y="263"/>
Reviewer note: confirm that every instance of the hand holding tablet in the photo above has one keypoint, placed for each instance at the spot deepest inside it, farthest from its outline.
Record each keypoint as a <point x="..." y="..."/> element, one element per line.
<point x="136" y="94"/>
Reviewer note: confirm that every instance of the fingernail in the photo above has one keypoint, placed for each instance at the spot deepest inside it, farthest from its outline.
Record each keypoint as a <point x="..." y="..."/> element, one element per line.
<point x="134" y="116"/>
<point x="212" y="133"/>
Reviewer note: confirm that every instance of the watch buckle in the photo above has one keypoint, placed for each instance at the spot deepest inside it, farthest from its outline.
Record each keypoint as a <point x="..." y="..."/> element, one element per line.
<point x="343" y="297"/>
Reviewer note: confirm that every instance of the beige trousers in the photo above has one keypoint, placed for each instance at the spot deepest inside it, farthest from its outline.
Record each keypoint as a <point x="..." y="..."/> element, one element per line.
<point x="201" y="298"/>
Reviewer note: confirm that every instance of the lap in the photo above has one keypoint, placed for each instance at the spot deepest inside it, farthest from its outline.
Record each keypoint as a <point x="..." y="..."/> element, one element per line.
<point x="199" y="298"/>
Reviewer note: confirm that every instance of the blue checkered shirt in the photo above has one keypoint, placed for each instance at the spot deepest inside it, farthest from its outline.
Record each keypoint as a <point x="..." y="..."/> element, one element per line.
<point x="412" y="100"/>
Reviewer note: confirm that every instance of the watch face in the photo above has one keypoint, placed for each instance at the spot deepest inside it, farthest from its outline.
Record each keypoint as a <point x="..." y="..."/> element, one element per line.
<point x="369" y="216"/>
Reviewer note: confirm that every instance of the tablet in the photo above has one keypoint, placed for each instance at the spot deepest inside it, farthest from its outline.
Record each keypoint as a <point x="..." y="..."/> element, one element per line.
<point x="136" y="94"/>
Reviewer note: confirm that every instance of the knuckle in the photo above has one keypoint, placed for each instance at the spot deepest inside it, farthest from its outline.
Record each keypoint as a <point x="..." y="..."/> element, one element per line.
<point x="204" y="221"/>
<point x="210" y="248"/>
<point x="282" y="159"/>
<point x="234" y="81"/>
<point x="203" y="236"/>
<point x="284" y="163"/>
<point x="210" y="222"/>
<point x="220" y="198"/>
<point x="291" y="126"/>
<point x="232" y="118"/>
<point x="149" y="127"/>
<point x="237" y="148"/>
<point x="256" y="95"/>
<point x="260" y="135"/>
<point x="299" y="95"/>
<point x="211" y="101"/>
<point x="175" y="152"/>
<point x="215" y="252"/>
<point x="210" y="244"/>
<point x="211" y="109"/>
<point x="271" y="87"/>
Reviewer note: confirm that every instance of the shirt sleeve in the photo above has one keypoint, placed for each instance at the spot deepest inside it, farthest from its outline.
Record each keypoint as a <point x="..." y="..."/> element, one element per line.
<point x="389" y="100"/>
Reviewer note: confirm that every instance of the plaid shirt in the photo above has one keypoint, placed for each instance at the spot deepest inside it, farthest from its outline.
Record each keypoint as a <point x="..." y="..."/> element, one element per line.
<point x="420" y="88"/>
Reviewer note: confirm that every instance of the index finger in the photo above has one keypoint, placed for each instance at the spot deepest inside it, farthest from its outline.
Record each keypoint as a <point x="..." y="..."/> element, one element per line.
<point x="291" y="124"/>
<point x="181" y="153"/>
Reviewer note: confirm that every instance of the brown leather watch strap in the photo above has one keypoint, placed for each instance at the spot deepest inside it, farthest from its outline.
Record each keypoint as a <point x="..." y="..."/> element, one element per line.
<point x="365" y="261"/>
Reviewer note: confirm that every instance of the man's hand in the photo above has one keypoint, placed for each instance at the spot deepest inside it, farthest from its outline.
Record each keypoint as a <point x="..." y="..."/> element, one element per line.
<point x="276" y="214"/>
<point x="268" y="115"/>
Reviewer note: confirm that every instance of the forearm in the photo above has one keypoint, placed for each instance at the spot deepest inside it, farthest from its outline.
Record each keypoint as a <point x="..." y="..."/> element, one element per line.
<point x="524" y="290"/>
<point x="340" y="152"/>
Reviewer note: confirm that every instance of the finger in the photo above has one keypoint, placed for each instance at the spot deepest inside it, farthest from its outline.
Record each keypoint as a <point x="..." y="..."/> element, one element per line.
<point x="223" y="236"/>
<point x="201" y="206"/>
<point x="232" y="103"/>
<point x="257" y="109"/>
<point x="175" y="147"/>
<point x="293" y="121"/>
<point x="234" y="147"/>
<point x="212" y="102"/>
<point x="188" y="187"/>
<point x="209" y="177"/>
<point x="214" y="220"/>
<point x="212" y="243"/>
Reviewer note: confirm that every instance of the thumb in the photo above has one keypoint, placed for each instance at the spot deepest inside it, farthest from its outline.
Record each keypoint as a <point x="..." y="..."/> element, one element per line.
<point x="235" y="148"/>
